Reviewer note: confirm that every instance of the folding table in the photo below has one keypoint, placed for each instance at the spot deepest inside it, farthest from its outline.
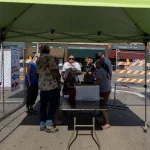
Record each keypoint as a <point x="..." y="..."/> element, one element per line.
<point x="82" y="106"/>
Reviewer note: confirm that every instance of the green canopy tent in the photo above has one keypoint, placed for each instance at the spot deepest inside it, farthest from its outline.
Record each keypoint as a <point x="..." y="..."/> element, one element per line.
<point x="28" y="20"/>
<point x="76" y="21"/>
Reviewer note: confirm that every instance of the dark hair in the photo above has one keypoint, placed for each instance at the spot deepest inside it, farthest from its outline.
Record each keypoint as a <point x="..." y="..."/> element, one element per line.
<point x="56" y="58"/>
<point x="71" y="54"/>
<point x="99" y="55"/>
<point x="45" y="49"/>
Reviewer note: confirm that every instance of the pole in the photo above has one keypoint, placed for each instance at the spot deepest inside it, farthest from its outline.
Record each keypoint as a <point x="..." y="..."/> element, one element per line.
<point x="126" y="73"/>
<point x="2" y="65"/>
<point x="24" y="74"/>
<point x="114" y="95"/>
<point x="37" y="48"/>
<point x="116" y="61"/>
<point x="145" y="129"/>
<point x="115" y="79"/>
<point x="0" y="72"/>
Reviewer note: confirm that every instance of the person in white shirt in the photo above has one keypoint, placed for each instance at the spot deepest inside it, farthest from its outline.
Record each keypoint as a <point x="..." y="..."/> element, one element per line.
<point x="71" y="63"/>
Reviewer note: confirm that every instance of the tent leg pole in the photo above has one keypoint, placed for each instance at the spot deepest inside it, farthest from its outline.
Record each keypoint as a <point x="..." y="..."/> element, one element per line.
<point x="2" y="58"/>
<point x="37" y="48"/>
<point x="114" y="94"/>
<point x="24" y="74"/>
<point x="145" y="86"/>
<point x="2" y="39"/>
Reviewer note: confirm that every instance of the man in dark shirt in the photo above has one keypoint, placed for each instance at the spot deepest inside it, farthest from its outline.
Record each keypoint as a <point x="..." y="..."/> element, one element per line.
<point x="88" y="71"/>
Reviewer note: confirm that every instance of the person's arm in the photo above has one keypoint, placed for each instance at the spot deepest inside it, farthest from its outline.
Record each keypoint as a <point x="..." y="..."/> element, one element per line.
<point x="70" y="86"/>
<point x="97" y="82"/>
<point x="78" y="68"/>
<point x="54" y="70"/>
<point x="108" y="62"/>
<point x="99" y="76"/>
<point x="83" y="71"/>
<point x="93" y="69"/>
<point x="63" y="70"/>
<point x="28" y="74"/>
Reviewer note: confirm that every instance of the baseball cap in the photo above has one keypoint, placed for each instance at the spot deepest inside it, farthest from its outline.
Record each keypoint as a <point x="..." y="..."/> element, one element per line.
<point x="99" y="54"/>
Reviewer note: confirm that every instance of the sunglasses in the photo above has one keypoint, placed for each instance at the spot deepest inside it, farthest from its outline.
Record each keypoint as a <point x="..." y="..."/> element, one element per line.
<point x="71" y="58"/>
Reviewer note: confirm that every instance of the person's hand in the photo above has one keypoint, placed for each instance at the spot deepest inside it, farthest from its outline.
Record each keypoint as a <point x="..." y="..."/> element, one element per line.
<point x="84" y="73"/>
<point x="89" y="73"/>
<point x="29" y="84"/>
<point x="62" y="83"/>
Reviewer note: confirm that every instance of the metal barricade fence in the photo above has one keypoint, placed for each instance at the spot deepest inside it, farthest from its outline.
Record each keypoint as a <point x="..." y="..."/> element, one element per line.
<point x="10" y="100"/>
<point x="129" y="79"/>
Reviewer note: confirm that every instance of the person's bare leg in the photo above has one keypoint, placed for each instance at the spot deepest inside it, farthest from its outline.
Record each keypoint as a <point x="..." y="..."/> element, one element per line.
<point x="105" y="114"/>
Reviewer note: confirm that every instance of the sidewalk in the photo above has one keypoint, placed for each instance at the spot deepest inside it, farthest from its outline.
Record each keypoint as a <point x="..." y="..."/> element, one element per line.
<point x="125" y="134"/>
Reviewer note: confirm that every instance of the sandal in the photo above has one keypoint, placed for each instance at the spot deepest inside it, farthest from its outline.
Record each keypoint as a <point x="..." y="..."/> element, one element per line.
<point x="106" y="126"/>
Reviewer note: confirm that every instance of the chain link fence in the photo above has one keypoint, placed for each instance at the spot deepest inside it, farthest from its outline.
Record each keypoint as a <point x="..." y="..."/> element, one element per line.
<point x="10" y="100"/>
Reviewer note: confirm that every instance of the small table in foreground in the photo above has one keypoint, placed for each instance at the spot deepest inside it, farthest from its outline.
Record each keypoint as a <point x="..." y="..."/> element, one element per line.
<point x="82" y="106"/>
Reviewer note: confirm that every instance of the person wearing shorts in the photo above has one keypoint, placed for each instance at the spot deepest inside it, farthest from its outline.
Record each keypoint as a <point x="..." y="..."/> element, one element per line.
<point x="103" y="79"/>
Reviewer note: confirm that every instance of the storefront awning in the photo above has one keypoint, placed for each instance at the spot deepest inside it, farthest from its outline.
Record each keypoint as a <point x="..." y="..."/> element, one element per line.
<point x="83" y="53"/>
<point x="127" y="55"/>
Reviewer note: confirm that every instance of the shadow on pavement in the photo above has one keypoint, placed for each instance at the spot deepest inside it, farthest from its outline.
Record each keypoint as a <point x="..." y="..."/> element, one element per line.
<point x="117" y="118"/>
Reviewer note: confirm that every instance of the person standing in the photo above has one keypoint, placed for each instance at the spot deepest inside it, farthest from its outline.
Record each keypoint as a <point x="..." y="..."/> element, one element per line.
<point x="103" y="79"/>
<point x="48" y="84"/>
<point x="71" y="63"/>
<point x="88" y="71"/>
<point x="32" y="85"/>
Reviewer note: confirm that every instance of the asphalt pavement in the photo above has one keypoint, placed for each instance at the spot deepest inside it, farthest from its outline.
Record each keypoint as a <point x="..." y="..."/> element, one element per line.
<point x="20" y="131"/>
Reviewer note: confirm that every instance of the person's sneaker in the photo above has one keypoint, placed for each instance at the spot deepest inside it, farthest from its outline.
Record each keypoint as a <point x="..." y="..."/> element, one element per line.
<point x="28" y="111"/>
<point x="42" y="128"/>
<point x="33" y="111"/>
<point x="51" y="129"/>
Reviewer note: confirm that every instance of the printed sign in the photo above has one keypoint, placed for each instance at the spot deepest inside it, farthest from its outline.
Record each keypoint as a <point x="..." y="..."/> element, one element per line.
<point x="15" y="69"/>
<point x="138" y="47"/>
